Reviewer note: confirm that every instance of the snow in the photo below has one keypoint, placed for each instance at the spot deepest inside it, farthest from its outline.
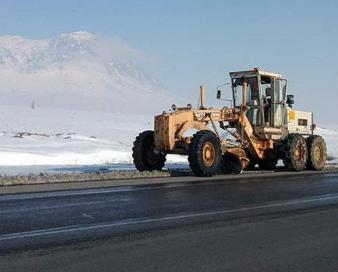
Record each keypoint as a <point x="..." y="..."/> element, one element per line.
<point x="57" y="137"/>
<point x="330" y="135"/>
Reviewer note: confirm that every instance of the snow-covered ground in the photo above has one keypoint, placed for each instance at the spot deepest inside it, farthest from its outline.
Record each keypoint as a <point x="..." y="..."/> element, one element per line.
<point x="330" y="135"/>
<point x="54" y="136"/>
<point x="62" y="137"/>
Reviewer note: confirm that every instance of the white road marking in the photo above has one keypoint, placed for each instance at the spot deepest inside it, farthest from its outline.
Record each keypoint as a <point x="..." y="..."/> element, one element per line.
<point x="78" y="228"/>
<point x="87" y="216"/>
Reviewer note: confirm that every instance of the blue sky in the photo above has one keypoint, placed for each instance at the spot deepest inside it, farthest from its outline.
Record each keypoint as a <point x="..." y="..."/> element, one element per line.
<point x="192" y="42"/>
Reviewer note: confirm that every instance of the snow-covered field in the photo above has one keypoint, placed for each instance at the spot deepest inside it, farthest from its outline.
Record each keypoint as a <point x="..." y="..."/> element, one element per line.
<point x="330" y="134"/>
<point x="54" y="137"/>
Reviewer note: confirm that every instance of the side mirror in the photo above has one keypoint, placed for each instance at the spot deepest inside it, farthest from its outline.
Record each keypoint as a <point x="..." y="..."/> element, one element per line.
<point x="290" y="100"/>
<point x="219" y="94"/>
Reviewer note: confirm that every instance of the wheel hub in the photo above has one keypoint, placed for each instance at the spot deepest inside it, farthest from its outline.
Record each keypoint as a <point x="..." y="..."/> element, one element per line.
<point x="298" y="152"/>
<point x="209" y="154"/>
<point x="152" y="155"/>
<point x="317" y="153"/>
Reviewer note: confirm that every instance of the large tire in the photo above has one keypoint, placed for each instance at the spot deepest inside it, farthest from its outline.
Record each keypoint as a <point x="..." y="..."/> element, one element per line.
<point x="146" y="157"/>
<point x="204" y="154"/>
<point x="268" y="164"/>
<point x="295" y="152"/>
<point x="231" y="164"/>
<point x="317" y="153"/>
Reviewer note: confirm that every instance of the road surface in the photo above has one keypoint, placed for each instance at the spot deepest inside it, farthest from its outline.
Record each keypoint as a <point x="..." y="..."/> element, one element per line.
<point x="271" y="223"/>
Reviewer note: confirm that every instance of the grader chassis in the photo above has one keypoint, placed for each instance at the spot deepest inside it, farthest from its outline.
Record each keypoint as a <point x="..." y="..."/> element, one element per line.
<point x="261" y="121"/>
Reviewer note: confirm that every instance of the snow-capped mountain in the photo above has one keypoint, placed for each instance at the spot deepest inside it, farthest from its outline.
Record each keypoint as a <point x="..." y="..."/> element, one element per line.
<point x="77" y="71"/>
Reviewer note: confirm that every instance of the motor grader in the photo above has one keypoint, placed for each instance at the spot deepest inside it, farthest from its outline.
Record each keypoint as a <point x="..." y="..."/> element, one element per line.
<point x="261" y="127"/>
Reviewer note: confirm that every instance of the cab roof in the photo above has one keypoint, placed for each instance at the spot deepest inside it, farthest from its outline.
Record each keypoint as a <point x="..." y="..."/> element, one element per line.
<point x="254" y="72"/>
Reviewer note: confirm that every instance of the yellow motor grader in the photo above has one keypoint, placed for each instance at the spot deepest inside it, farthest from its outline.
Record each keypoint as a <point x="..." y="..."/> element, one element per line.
<point x="263" y="126"/>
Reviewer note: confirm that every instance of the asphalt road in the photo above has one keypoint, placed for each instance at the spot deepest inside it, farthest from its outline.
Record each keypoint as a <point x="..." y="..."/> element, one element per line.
<point x="272" y="223"/>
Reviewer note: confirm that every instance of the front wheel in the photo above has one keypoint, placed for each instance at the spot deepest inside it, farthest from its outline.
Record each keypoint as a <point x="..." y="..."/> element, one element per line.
<point x="204" y="153"/>
<point x="145" y="156"/>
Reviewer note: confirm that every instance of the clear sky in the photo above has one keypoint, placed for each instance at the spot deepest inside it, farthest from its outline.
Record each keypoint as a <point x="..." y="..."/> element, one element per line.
<point x="194" y="41"/>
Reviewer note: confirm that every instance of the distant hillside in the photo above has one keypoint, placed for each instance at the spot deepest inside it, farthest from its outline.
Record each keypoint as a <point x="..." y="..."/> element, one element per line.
<point x="77" y="71"/>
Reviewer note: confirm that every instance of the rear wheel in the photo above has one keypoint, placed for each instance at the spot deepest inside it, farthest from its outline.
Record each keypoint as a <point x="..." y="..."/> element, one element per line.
<point x="146" y="157"/>
<point x="295" y="152"/>
<point x="204" y="154"/>
<point x="316" y="152"/>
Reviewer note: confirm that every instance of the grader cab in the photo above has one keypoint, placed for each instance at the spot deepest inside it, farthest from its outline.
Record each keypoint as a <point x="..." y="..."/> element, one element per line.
<point x="261" y="128"/>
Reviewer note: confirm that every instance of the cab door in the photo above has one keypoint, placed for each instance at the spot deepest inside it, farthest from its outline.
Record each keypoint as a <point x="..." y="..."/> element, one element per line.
<point x="278" y="107"/>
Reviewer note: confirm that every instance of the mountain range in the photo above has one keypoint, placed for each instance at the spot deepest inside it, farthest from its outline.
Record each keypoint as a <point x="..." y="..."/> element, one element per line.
<point x="77" y="71"/>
